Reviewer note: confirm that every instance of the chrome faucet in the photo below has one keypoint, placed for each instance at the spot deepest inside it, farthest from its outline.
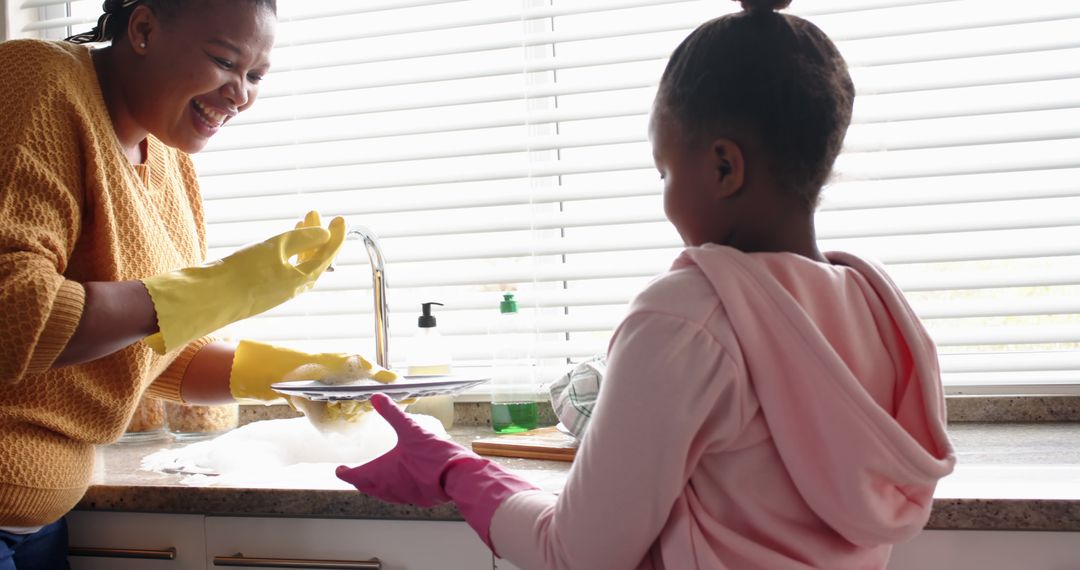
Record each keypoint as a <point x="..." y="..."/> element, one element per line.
<point x="378" y="285"/>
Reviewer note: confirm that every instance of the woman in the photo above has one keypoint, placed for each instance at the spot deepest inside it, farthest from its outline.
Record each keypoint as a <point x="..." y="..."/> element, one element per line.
<point x="101" y="231"/>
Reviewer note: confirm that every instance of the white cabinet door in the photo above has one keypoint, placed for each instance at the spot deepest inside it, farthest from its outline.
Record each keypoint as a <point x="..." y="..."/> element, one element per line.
<point x="101" y="540"/>
<point x="398" y="545"/>
<point x="988" y="550"/>
<point x="975" y="550"/>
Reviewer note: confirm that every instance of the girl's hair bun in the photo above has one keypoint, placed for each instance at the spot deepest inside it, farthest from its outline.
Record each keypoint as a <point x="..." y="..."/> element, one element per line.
<point x="764" y="5"/>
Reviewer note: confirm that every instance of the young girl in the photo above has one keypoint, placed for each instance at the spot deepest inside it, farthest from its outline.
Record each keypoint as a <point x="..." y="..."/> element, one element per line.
<point x="766" y="406"/>
<point x="101" y="234"/>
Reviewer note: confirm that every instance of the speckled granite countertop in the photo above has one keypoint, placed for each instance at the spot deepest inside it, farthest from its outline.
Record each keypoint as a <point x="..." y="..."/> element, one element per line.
<point x="1009" y="477"/>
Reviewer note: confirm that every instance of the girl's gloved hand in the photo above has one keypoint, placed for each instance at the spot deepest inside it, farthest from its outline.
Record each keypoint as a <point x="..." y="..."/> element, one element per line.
<point x="426" y="470"/>
<point x="196" y="301"/>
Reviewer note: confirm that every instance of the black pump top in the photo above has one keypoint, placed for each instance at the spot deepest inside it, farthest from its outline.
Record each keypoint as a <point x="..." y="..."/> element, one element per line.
<point x="426" y="320"/>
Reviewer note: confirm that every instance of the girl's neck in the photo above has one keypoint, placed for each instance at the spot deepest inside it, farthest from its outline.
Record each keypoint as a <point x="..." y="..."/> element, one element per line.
<point x="790" y="230"/>
<point x="802" y="241"/>
<point x="129" y="134"/>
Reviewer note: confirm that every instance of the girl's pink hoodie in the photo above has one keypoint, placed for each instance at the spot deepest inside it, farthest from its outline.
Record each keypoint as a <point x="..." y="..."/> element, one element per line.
<point x="760" y="411"/>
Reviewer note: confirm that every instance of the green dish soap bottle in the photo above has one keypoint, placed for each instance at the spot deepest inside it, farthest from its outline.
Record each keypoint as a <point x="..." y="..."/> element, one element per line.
<point x="513" y="407"/>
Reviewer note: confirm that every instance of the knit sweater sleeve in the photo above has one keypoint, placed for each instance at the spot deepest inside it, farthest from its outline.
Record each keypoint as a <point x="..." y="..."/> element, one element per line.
<point x="168" y="385"/>
<point x="41" y="205"/>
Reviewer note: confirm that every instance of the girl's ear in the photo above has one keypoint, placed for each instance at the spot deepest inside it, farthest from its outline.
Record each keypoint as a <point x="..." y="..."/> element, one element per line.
<point x="729" y="166"/>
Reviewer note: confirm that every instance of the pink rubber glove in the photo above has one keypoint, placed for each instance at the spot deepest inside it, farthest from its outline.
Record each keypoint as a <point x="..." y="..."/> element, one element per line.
<point x="426" y="470"/>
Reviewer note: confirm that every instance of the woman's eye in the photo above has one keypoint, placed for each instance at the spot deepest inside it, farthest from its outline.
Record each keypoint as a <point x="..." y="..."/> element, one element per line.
<point x="254" y="77"/>
<point x="224" y="63"/>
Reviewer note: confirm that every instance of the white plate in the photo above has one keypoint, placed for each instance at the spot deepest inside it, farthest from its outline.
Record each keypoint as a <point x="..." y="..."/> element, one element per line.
<point x="405" y="387"/>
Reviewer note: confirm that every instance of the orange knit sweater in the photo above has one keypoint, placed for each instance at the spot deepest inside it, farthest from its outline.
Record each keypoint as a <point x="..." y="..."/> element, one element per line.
<point x="73" y="209"/>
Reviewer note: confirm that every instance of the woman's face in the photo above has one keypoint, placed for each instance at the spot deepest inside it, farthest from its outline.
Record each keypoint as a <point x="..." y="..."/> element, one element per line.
<point x="202" y="66"/>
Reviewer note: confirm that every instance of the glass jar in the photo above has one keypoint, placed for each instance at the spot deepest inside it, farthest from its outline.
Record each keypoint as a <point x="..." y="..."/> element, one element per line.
<point x="148" y="422"/>
<point x="193" y="422"/>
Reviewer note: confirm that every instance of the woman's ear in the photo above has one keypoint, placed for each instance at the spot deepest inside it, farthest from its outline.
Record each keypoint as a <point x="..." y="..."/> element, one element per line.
<point x="730" y="168"/>
<point x="140" y="28"/>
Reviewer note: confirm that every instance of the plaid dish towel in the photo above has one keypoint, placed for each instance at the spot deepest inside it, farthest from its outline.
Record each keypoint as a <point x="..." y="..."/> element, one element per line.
<point x="573" y="395"/>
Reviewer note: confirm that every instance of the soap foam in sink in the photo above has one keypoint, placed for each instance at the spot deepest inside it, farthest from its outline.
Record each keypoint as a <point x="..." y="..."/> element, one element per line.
<point x="287" y="453"/>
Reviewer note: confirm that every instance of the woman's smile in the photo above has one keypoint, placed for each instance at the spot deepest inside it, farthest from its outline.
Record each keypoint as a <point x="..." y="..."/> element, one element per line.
<point x="207" y="118"/>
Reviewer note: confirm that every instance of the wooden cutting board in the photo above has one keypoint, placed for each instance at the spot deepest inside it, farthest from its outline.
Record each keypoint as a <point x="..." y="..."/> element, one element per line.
<point x="542" y="443"/>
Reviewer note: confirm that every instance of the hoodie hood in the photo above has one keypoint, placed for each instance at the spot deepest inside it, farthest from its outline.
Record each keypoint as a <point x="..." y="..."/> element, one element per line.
<point x="873" y="478"/>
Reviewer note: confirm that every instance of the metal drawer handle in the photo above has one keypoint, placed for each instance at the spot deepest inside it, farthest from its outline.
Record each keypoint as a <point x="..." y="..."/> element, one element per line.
<point x="167" y="554"/>
<point x="242" y="561"/>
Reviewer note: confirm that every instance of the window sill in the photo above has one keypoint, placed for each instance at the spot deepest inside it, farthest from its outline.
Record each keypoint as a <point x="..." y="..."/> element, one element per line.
<point x="1025" y="409"/>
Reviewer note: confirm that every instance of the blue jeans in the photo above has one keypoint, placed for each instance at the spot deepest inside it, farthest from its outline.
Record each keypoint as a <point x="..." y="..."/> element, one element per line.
<point x="46" y="549"/>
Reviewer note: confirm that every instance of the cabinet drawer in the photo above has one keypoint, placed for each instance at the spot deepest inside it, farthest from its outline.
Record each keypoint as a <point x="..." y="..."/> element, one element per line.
<point x="501" y="564"/>
<point x="398" y="545"/>
<point x="988" y="549"/>
<point x="135" y="541"/>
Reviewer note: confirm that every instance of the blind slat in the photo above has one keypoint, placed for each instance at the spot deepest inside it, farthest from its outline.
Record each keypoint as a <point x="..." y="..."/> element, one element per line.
<point x="579" y="272"/>
<point x="962" y="246"/>
<point x="417" y="26"/>
<point x="333" y="303"/>
<point x="956" y="189"/>
<point x="358" y="134"/>
<point x="870" y="108"/>
<point x="1043" y="155"/>
<point x="912" y="134"/>
<point x="531" y="144"/>
<point x="965" y="131"/>
<point x="840" y="196"/>
<point x="476" y="19"/>
<point x="293" y="182"/>
<point x="1064" y="272"/>
<point x="1012" y="335"/>
<point x="964" y="218"/>
<point x="1007" y="278"/>
<point x="278" y="208"/>
<point x="967" y="101"/>
<point x="571" y="272"/>
<point x="289" y="106"/>
<point x="1010" y="362"/>
<point x="367" y="6"/>
<point x="985" y="70"/>
<point x="964" y="308"/>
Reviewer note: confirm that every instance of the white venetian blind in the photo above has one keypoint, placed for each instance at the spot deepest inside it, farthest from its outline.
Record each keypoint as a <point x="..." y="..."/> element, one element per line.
<point x="496" y="145"/>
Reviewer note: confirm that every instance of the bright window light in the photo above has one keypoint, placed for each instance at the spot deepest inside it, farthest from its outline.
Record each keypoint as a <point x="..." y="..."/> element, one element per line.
<point x="498" y="145"/>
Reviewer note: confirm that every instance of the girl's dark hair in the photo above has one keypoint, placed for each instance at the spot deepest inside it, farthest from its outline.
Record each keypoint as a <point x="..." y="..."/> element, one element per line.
<point x="772" y="75"/>
<point x="113" y="22"/>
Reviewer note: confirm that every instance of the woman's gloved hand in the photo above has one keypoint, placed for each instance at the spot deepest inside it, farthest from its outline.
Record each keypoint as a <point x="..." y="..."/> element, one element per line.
<point x="256" y="366"/>
<point x="426" y="470"/>
<point x="196" y="301"/>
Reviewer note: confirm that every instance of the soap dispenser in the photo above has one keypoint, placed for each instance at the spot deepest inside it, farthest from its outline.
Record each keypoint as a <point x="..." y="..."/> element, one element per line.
<point x="428" y="355"/>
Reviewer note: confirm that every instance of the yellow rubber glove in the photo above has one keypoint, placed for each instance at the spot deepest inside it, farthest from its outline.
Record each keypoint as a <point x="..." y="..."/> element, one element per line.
<point x="331" y="416"/>
<point x="256" y="366"/>
<point x="196" y="301"/>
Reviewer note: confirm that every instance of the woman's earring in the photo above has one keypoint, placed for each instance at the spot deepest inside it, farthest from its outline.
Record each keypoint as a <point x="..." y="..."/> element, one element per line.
<point x="142" y="45"/>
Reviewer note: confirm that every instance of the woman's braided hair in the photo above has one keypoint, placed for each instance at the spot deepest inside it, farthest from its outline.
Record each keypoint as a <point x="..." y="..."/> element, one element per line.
<point x="113" y="21"/>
